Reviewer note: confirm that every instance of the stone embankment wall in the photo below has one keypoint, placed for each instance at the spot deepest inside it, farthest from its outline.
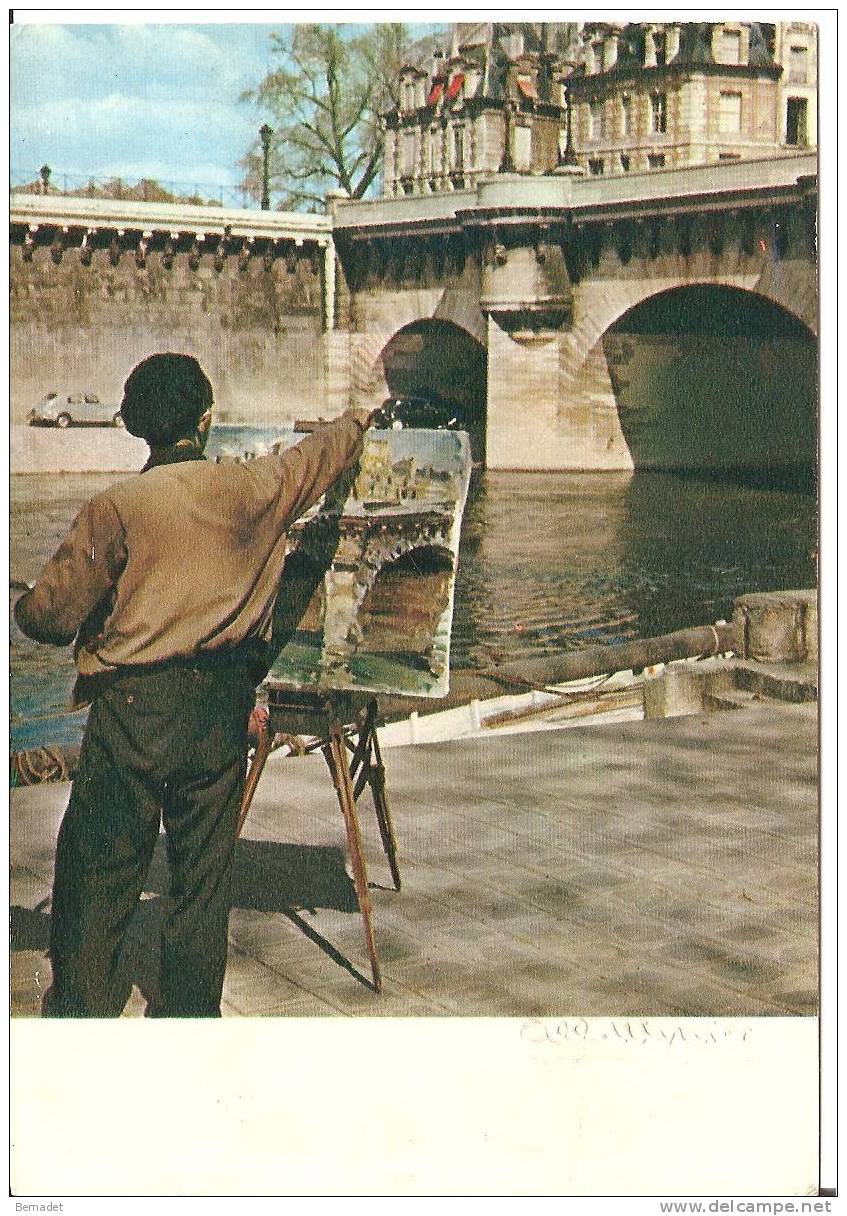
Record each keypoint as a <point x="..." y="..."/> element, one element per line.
<point x="36" y="449"/>
<point x="256" y="328"/>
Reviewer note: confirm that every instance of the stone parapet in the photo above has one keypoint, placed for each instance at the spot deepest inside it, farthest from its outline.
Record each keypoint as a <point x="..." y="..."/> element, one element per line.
<point x="99" y="213"/>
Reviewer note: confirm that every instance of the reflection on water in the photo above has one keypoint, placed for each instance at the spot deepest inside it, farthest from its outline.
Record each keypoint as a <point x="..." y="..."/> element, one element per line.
<point x="547" y="562"/>
<point x="558" y="561"/>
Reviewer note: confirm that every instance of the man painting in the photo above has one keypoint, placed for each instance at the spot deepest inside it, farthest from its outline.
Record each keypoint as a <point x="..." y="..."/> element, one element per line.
<point x="167" y="581"/>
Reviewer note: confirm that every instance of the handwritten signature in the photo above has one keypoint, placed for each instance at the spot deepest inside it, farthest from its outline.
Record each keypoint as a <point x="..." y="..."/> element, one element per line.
<point x="632" y="1031"/>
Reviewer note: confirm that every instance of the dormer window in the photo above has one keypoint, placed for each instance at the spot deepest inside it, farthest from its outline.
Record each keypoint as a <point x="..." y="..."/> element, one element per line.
<point x="729" y="46"/>
<point x="407" y="95"/>
<point x="660" y="47"/>
<point x="527" y="89"/>
<point x="455" y="86"/>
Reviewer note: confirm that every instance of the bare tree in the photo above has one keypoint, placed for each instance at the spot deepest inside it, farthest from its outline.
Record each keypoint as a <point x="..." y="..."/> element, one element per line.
<point x="325" y="100"/>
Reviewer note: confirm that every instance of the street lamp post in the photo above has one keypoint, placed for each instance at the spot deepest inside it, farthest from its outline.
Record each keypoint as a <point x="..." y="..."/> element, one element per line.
<point x="265" y="134"/>
<point x="569" y="157"/>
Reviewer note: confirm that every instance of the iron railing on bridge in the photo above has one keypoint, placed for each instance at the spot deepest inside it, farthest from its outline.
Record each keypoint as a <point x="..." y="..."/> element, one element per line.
<point x="137" y="189"/>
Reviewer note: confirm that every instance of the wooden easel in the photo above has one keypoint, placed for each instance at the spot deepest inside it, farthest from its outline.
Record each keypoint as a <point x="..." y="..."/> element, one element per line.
<point x="337" y="723"/>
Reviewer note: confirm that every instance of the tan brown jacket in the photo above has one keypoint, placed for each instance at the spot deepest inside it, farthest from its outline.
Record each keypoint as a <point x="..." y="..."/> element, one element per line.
<point x="184" y="559"/>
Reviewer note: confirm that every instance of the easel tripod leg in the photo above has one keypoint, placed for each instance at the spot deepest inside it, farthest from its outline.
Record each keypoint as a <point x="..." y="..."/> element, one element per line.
<point x="336" y="757"/>
<point x="257" y="764"/>
<point x="376" y="778"/>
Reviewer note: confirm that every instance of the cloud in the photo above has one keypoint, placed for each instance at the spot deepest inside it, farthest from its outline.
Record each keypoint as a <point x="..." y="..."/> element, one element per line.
<point x="97" y="99"/>
<point x="112" y="134"/>
<point x="150" y="61"/>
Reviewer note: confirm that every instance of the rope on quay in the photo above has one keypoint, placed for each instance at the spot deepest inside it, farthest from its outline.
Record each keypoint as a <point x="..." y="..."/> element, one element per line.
<point x="35" y="765"/>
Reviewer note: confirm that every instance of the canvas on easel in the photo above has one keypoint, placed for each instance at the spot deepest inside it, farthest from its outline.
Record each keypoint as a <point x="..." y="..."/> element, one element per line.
<point x="367" y="594"/>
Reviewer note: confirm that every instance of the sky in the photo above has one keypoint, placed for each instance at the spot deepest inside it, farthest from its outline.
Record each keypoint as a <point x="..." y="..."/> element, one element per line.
<point x="138" y="100"/>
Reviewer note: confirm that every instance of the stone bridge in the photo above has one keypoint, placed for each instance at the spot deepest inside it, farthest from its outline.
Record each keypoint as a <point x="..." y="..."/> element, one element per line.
<point x="654" y="320"/>
<point x="540" y="289"/>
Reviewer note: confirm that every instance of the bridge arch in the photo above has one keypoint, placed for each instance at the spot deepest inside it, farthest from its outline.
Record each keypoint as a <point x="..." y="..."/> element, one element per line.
<point x="709" y="376"/>
<point x="440" y="361"/>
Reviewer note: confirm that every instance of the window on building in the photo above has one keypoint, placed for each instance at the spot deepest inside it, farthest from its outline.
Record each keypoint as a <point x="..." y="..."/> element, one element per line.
<point x="409" y="94"/>
<point x="798" y="65"/>
<point x="408" y="152"/>
<point x="660" y="46"/>
<point x="596" y="121"/>
<point x="625" y="163"/>
<point x="523" y="147"/>
<point x="729" y="46"/>
<point x="729" y="113"/>
<point x="626" y="114"/>
<point x="796" y="120"/>
<point x="434" y="151"/>
<point x="595" y="166"/>
<point x="729" y="156"/>
<point x="458" y="147"/>
<point x="658" y="113"/>
<point x="656" y="160"/>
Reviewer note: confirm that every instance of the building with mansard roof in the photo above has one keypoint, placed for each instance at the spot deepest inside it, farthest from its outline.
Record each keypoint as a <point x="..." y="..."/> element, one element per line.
<point x="667" y="95"/>
<point x="642" y="96"/>
<point x="493" y="103"/>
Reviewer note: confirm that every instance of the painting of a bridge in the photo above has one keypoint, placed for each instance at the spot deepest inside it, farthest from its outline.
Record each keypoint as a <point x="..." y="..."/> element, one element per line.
<point x="367" y="593"/>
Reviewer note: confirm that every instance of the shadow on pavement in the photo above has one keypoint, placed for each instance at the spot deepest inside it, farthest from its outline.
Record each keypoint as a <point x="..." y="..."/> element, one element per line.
<point x="267" y="877"/>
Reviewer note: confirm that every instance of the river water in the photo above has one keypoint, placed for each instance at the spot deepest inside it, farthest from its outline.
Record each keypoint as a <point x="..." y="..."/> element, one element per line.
<point x="547" y="561"/>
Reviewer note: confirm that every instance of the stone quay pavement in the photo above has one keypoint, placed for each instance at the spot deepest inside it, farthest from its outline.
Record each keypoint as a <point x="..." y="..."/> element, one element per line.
<point x="644" y="868"/>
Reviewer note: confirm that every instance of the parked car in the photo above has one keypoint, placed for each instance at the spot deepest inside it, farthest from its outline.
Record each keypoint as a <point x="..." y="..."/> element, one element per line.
<point x="74" y="409"/>
<point x="431" y="413"/>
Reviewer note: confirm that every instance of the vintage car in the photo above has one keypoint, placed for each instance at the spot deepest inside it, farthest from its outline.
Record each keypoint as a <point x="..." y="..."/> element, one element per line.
<point x="74" y="409"/>
<point x="431" y="413"/>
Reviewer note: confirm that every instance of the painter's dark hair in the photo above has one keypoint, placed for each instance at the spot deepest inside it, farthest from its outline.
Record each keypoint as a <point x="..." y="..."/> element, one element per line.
<point x="165" y="396"/>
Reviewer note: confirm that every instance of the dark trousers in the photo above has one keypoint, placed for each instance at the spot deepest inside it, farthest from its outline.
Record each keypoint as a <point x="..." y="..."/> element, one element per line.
<point x="169" y="744"/>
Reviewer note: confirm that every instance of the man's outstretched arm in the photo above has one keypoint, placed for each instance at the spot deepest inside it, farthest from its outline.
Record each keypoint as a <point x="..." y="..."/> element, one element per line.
<point x="82" y="570"/>
<point x="304" y="472"/>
